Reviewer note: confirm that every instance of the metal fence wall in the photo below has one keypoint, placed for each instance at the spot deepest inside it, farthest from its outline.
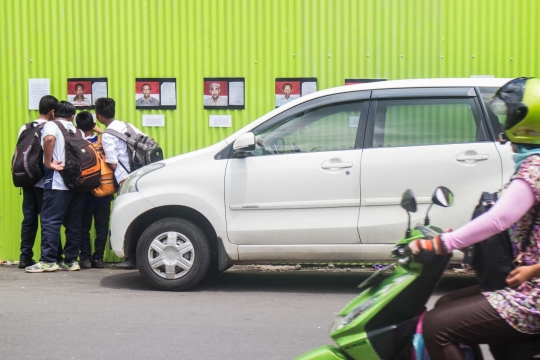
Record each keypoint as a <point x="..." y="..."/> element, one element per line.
<point x="256" y="39"/>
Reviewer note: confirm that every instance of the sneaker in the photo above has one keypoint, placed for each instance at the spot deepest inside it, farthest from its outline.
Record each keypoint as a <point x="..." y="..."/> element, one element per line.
<point x="23" y="263"/>
<point x="41" y="266"/>
<point x="97" y="263"/>
<point x="85" y="264"/>
<point x="72" y="266"/>
<point x="128" y="264"/>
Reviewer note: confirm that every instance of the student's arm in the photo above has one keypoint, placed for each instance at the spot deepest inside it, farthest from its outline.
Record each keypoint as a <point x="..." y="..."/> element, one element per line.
<point x="48" y="147"/>
<point x="97" y="129"/>
<point x="109" y="148"/>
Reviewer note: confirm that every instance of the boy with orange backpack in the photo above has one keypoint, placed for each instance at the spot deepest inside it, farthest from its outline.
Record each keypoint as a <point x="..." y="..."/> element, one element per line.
<point x="97" y="205"/>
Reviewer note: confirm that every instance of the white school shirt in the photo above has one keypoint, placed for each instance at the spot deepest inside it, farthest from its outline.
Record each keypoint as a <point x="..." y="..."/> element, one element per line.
<point x="39" y="184"/>
<point x="116" y="151"/>
<point x="53" y="179"/>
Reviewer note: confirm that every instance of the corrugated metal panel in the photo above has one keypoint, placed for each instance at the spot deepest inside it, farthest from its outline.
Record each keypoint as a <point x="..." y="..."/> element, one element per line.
<point x="256" y="39"/>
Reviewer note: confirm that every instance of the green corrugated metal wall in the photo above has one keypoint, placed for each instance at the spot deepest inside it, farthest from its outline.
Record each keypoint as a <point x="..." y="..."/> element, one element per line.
<point x="256" y="39"/>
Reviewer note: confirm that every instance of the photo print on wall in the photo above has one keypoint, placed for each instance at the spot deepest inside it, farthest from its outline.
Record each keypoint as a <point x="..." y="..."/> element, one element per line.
<point x="289" y="89"/>
<point x="155" y="93"/>
<point x="83" y="92"/>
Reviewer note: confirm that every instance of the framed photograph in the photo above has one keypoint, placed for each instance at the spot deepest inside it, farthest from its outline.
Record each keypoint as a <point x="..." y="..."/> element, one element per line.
<point x="361" y="81"/>
<point x="289" y="89"/>
<point x="155" y="93"/>
<point x="224" y="93"/>
<point x="83" y="92"/>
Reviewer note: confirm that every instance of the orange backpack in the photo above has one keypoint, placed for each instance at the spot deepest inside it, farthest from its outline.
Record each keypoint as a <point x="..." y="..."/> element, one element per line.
<point x="107" y="186"/>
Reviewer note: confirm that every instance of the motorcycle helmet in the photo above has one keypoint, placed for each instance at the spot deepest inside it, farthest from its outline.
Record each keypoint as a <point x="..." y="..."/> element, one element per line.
<point x="519" y="100"/>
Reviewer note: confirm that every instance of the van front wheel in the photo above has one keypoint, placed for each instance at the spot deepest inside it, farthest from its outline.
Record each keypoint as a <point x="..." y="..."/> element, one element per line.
<point x="173" y="254"/>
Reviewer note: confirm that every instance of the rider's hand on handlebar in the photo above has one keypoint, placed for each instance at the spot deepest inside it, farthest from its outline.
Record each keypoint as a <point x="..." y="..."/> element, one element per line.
<point x="435" y="246"/>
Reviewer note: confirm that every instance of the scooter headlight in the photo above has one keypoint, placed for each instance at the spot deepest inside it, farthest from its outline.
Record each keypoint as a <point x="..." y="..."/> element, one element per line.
<point x="357" y="311"/>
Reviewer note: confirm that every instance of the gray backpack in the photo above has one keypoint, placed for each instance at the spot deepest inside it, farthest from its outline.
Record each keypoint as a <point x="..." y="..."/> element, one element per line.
<point x="142" y="150"/>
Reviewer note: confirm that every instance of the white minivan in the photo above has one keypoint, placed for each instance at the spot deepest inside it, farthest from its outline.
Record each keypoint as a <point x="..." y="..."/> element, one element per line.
<point x="317" y="180"/>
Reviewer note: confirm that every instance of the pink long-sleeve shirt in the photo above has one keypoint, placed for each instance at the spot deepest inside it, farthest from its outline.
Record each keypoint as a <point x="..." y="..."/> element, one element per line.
<point x="515" y="202"/>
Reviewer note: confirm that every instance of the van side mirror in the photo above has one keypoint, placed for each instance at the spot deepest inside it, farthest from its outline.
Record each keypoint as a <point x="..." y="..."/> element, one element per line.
<point x="245" y="143"/>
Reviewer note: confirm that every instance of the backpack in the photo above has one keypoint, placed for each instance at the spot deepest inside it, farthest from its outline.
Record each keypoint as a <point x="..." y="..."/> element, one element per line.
<point x="142" y="150"/>
<point x="27" y="162"/>
<point x="82" y="170"/>
<point x="107" y="183"/>
<point x="493" y="258"/>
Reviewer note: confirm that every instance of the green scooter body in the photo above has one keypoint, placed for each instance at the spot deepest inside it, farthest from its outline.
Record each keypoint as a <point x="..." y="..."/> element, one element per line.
<point x="381" y="321"/>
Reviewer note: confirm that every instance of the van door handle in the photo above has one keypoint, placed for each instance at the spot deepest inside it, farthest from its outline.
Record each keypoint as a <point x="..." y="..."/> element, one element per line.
<point x="478" y="157"/>
<point x="341" y="165"/>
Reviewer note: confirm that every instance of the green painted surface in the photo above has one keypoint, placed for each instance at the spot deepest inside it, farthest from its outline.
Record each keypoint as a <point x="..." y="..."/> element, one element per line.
<point x="256" y="39"/>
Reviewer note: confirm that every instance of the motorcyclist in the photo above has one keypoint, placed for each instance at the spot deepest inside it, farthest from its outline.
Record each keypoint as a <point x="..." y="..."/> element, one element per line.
<point x="510" y="316"/>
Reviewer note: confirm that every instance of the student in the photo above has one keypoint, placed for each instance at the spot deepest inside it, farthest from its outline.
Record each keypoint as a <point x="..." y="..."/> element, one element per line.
<point x="33" y="197"/>
<point x="98" y="208"/>
<point x="61" y="206"/>
<point x="116" y="153"/>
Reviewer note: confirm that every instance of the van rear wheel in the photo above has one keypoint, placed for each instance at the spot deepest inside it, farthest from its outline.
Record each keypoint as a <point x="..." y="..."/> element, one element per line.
<point x="173" y="254"/>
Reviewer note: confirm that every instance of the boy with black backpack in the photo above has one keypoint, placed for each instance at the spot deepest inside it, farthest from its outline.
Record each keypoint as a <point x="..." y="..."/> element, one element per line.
<point x="30" y="178"/>
<point x="96" y="208"/>
<point x="61" y="205"/>
<point x="126" y="149"/>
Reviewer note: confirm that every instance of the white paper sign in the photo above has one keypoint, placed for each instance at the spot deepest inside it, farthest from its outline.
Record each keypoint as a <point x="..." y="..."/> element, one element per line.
<point x="99" y="90"/>
<point x="236" y="93"/>
<point x="37" y="88"/>
<point x="153" y="120"/>
<point x="220" y="121"/>
<point x="308" y="88"/>
<point x="168" y="93"/>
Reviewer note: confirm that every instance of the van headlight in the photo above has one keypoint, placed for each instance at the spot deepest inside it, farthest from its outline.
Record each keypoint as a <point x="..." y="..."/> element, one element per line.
<point x="130" y="184"/>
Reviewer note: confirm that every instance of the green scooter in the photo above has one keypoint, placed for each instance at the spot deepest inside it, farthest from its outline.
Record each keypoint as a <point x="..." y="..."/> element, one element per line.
<point x="381" y="322"/>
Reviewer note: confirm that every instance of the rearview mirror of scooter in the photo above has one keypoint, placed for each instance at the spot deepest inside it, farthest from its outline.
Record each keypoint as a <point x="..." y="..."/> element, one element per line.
<point x="441" y="197"/>
<point x="408" y="202"/>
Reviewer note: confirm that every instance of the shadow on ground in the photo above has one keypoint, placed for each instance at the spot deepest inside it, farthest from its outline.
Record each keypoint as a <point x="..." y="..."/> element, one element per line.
<point x="298" y="282"/>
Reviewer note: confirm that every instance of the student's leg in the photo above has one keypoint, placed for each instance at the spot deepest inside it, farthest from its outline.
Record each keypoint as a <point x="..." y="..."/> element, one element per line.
<point x="72" y="223"/>
<point x="86" y="224"/>
<point x="102" y="214"/>
<point x="30" y="223"/>
<point x="55" y="206"/>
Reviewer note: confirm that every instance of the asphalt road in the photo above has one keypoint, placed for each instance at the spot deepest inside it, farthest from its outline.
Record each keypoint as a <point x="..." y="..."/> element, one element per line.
<point x="111" y="314"/>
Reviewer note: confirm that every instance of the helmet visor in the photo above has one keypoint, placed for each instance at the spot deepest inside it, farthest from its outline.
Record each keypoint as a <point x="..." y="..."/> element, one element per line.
<point x="508" y="101"/>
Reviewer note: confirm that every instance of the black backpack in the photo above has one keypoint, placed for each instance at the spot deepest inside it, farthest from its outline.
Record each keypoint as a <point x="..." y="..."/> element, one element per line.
<point x="82" y="167"/>
<point x="142" y="150"/>
<point x="27" y="162"/>
<point x="493" y="258"/>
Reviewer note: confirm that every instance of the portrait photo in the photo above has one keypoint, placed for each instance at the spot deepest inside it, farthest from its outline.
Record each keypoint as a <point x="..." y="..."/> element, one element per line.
<point x="289" y="89"/>
<point x="83" y="92"/>
<point x="224" y="93"/>
<point x="155" y="93"/>
<point x="146" y="93"/>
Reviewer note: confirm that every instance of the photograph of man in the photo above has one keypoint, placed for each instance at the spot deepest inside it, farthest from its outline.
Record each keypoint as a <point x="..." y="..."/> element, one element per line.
<point x="79" y="99"/>
<point x="148" y="98"/>
<point x="286" y="91"/>
<point x="215" y="99"/>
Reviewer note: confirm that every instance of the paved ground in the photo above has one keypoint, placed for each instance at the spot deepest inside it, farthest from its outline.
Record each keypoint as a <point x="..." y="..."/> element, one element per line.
<point x="108" y="314"/>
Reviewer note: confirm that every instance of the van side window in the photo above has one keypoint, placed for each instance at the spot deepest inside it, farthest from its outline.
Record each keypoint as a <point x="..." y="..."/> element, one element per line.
<point x="427" y="122"/>
<point x="327" y="128"/>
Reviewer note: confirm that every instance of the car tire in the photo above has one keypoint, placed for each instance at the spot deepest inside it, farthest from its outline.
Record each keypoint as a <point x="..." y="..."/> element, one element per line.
<point x="173" y="254"/>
